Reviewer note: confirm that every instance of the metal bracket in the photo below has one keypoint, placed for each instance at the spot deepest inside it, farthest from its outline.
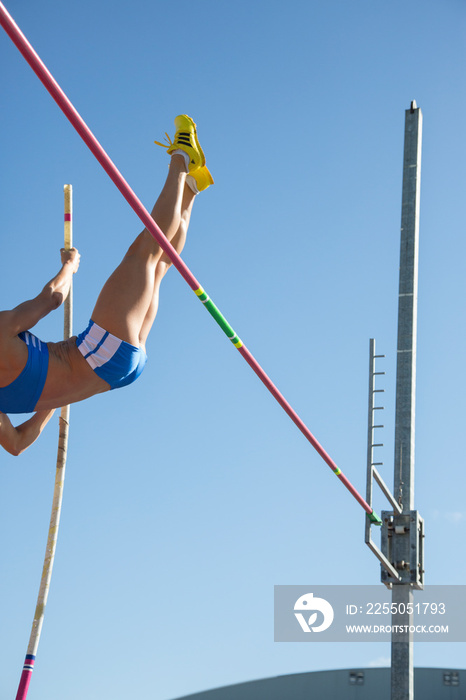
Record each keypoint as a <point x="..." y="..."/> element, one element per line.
<point x="402" y="542"/>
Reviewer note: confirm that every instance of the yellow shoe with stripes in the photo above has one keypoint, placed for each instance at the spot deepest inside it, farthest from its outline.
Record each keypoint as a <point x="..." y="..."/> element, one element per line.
<point x="200" y="179"/>
<point x="186" y="140"/>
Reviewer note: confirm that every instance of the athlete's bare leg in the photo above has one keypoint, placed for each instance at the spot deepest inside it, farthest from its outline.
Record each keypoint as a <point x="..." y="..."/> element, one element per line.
<point x="178" y="241"/>
<point x="127" y="297"/>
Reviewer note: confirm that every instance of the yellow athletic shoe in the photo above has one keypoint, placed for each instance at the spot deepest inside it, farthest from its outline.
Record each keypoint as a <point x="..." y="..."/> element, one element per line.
<point x="202" y="179"/>
<point x="186" y="140"/>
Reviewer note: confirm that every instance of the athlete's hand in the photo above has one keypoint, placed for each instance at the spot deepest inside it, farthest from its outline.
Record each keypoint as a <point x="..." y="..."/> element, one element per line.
<point x="70" y="256"/>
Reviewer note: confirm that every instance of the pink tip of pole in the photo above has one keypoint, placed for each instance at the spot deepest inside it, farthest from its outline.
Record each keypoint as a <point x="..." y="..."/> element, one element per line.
<point x="24" y="685"/>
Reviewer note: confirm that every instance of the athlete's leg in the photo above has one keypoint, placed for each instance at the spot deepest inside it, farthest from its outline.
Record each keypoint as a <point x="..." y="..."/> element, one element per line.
<point x="127" y="295"/>
<point x="178" y="241"/>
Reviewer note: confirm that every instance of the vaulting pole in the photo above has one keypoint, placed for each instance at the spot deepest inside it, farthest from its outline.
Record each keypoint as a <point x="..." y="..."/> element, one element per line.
<point x="91" y="142"/>
<point x="57" y="491"/>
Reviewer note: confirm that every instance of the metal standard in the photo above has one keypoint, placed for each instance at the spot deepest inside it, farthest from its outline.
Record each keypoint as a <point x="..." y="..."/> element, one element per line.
<point x="407" y="528"/>
<point x="401" y="553"/>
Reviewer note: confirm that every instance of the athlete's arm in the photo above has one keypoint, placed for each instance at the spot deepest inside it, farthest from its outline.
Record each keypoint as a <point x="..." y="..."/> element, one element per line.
<point x="16" y="440"/>
<point x="27" y="314"/>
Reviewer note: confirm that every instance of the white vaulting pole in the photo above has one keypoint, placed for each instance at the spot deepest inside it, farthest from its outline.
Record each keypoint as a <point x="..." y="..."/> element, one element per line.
<point x="58" y="488"/>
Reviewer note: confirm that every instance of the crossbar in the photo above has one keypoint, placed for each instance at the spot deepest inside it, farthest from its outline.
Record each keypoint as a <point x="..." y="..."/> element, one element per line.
<point x="96" y="149"/>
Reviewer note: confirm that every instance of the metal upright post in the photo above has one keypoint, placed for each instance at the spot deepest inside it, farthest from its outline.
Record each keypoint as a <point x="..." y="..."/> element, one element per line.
<point x="405" y="527"/>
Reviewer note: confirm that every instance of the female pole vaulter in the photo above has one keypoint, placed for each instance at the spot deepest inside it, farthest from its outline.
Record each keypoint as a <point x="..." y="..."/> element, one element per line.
<point x="37" y="377"/>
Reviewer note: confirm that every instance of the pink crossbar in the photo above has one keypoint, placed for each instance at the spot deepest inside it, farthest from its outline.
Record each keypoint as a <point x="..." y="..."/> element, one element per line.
<point x="89" y="139"/>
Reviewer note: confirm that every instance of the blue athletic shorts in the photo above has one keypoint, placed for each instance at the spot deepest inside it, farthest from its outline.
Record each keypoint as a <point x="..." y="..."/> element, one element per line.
<point x="24" y="392"/>
<point x="112" y="359"/>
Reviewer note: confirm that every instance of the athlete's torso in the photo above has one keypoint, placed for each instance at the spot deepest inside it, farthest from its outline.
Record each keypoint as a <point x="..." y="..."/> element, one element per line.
<point x="68" y="377"/>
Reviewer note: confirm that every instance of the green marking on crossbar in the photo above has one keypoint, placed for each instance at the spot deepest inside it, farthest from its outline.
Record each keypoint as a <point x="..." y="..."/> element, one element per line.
<point x="374" y="518"/>
<point x="218" y="317"/>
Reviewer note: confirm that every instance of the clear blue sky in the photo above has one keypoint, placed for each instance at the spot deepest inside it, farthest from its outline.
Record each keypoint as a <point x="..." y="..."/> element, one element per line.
<point x="189" y="495"/>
